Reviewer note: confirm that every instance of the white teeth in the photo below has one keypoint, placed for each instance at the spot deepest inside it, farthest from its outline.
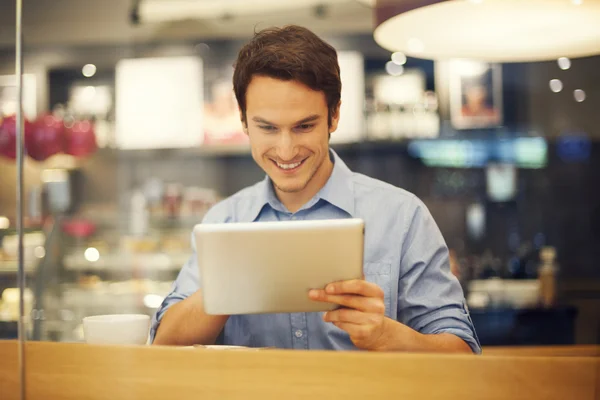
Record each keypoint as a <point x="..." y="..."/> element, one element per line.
<point x="288" y="166"/>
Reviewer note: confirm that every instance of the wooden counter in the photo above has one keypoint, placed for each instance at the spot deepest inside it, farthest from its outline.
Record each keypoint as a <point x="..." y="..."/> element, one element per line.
<point x="544" y="351"/>
<point x="76" y="371"/>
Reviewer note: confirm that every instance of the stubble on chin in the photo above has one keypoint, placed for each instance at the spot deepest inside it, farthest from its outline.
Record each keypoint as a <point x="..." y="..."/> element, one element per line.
<point x="293" y="189"/>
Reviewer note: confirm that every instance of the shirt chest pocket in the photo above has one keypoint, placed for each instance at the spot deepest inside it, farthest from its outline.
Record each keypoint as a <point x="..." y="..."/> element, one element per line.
<point x="380" y="274"/>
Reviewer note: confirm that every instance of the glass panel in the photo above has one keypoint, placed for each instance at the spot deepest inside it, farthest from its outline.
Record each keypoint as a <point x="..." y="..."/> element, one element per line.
<point x="11" y="261"/>
<point x="135" y="137"/>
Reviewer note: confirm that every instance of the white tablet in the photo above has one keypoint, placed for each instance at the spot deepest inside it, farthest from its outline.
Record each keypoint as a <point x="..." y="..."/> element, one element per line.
<point x="269" y="267"/>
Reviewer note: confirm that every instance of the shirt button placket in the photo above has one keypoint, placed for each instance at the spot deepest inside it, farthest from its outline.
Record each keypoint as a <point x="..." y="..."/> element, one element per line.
<point x="299" y="331"/>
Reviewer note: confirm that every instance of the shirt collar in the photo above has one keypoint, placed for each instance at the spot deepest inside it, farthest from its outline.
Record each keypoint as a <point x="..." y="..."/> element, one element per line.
<point x="338" y="191"/>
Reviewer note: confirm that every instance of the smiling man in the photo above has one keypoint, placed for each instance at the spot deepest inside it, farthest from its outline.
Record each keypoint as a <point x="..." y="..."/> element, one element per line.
<point x="287" y="84"/>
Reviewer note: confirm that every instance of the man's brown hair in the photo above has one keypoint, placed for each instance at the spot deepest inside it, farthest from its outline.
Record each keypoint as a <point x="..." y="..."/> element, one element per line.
<point x="289" y="53"/>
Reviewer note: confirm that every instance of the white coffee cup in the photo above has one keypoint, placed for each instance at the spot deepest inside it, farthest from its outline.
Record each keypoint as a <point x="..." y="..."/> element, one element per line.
<point x="116" y="329"/>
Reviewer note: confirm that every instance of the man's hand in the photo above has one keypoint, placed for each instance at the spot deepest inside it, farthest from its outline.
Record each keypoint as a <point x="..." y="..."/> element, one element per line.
<point x="362" y="314"/>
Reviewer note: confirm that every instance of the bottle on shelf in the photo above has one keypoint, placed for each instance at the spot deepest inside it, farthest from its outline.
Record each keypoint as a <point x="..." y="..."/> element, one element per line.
<point x="547" y="276"/>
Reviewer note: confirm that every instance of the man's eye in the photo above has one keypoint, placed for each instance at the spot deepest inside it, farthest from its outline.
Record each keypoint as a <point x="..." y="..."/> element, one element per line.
<point x="305" y="127"/>
<point x="269" y="128"/>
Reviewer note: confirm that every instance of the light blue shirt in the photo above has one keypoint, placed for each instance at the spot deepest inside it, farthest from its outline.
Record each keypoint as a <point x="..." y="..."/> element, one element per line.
<point x="405" y="254"/>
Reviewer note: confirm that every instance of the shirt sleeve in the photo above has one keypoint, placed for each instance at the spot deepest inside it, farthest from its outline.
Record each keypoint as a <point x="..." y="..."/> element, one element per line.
<point x="430" y="298"/>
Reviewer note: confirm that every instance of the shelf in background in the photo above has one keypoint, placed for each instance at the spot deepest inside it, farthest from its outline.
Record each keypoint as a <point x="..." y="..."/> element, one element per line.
<point x="126" y="262"/>
<point x="11" y="267"/>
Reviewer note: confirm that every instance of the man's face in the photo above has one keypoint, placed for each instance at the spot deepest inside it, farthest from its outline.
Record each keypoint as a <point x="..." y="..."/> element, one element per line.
<point x="289" y="134"/>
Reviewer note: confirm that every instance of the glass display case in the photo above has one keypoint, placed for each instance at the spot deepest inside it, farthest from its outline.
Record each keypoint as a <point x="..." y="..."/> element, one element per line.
<point x="98" y="262"/>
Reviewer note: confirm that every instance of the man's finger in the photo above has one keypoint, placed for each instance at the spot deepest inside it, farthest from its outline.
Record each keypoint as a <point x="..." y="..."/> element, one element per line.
<point x="355" y="286"/>
<point x="347" y="315"/>
<point x="366" y="304"/>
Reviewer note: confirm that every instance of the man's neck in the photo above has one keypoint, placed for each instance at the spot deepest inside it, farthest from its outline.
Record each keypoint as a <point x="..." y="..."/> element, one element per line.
<point x="294" y="201"/>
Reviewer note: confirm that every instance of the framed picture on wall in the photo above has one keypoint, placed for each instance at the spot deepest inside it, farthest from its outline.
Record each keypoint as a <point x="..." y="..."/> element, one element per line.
<point x="475" y="94"/>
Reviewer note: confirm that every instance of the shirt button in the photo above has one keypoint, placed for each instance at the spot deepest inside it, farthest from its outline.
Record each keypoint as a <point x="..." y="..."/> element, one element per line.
<point x="298" y="333"/>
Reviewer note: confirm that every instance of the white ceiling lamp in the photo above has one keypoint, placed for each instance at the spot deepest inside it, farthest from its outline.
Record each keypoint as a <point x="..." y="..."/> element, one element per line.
<point x="489" y="30"/>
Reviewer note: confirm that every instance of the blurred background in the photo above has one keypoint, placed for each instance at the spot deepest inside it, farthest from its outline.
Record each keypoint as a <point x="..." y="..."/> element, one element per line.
<point x="132" y="133"/>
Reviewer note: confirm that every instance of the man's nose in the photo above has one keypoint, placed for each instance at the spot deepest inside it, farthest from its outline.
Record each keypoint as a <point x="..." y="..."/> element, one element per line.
<point x="286" y="150"/>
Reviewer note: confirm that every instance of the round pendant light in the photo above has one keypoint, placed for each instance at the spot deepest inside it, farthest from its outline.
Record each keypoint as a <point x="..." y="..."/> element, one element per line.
<point x="489" y="30"/>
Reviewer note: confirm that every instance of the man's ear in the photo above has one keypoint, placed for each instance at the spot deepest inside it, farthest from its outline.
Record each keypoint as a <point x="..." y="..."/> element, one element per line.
<point x="244" y="122"/>
<point x="335" y="118"/>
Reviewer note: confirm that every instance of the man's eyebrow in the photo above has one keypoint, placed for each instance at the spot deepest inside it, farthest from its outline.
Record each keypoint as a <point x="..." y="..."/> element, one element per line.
<point x="310" y="118"/>
<point x="262" y="121"/>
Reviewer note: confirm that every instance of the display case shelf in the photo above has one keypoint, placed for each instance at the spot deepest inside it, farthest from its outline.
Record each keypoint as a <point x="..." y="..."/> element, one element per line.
<point x="126" y="262"/>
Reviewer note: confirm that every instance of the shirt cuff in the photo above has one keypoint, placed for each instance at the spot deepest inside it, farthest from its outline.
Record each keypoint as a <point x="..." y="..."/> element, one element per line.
<point x="467" y="337"/>
<point x="454" y="320"/>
